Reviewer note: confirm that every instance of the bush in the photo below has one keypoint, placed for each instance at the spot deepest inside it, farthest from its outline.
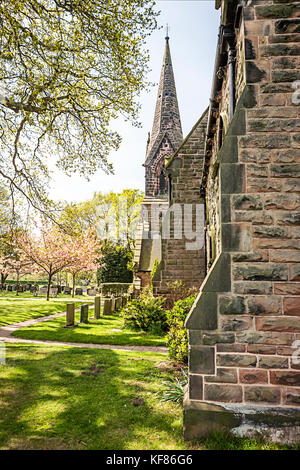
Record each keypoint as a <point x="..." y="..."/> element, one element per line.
<point x="177" y="338"/>
<point x="114" y="288"/>
<point x="173" y="388"/>
<point x="146" y="313"/>
<point x="115" y="261"/>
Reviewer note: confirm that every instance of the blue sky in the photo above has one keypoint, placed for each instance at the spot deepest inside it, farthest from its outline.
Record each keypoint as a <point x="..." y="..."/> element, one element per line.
<point x="193" y="37"/>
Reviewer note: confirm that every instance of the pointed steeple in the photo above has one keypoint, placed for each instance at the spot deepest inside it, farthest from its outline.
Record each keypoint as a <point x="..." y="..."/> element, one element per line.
<point x="166" y="117"/>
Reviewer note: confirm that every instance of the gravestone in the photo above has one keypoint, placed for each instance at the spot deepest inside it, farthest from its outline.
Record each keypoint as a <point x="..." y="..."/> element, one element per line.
<point x="20" y="289"/>
<point x="118" y="303"/>
<point x="78" y="291"/>
<point x="97" y="307"/>
<point x="14" y="287"/>
<point x="113" y="304"/>
<point x="84" y="313"/>
<point x="91" y="292"/>
<point x="107" y="306"/>
<point x="9" y="288"/>
<point x="70" y="315"/>
<point x="54" y="291"/>
<point x="67" y="290"/>
<point x="124" y="300"/>
<point x="43" y="290"/>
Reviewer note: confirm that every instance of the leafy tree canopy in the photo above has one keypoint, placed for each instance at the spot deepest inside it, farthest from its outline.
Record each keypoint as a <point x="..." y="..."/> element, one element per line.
<point x="67" y="68"/>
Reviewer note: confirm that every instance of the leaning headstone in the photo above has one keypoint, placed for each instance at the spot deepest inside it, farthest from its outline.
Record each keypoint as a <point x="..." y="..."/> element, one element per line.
<point x="107" y="306"/>
<point x="84" y="313"/>
<point x="97" y="307"/>
<point x="70" y="315"/>
<point x="78" y="291"/>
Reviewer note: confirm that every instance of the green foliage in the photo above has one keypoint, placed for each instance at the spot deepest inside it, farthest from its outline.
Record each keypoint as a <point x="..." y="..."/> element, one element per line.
<point x="114" y="264"/>
<point x="114" y="288"/>
<point x="146" y="313"/>
<point x="172" y="389"/>
<point x="155" y="270"/>
<point x="177" y="338"/>
<point x="177" y="290"/>
<point x="67" y="70"/>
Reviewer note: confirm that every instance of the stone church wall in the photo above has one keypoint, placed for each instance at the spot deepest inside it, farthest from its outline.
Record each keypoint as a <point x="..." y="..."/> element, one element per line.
<point x="184" y="171"/>
<point x="244" y="328"/>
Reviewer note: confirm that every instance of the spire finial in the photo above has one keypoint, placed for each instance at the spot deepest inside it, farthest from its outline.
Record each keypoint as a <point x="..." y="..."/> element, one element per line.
<point x="167" y="32"/>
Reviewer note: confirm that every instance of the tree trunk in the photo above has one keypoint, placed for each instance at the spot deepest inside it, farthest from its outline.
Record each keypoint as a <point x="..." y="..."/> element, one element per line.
<point x="18" y="277"/>
<point x="3" y="278"/>
<point x="74" y="278"/>
<point x="49" y="284"/>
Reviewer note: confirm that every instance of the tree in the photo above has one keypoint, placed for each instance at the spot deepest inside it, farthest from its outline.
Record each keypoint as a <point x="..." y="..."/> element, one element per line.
<point x="115" y="263"/>
<point x="87" y="251"/>
<point x="51" y="251"/>
<point x="114" y="215"/>
<point x="20" y="265"/>
<point x="67" y="68"/>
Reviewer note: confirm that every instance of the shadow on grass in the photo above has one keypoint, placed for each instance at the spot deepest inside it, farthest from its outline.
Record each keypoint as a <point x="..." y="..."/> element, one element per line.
<point x="51" y="399"/>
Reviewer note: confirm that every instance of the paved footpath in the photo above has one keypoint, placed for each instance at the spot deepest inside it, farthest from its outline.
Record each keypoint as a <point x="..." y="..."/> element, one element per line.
<point x="6" y="332"/>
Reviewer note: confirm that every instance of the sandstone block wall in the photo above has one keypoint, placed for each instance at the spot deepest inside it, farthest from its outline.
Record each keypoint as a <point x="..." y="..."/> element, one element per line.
<point x="245" y="324"/>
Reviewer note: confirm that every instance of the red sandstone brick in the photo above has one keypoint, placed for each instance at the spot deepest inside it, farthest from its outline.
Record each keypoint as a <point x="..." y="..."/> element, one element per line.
<point x="291" y="306"/>
<point x="290" y="378"/>
<point x="284" y="288"/>
<point x="262" y="394"/>
<point x="261" y="349"/>
<point x="248" y="376"/>
<point x="278" y="324"/>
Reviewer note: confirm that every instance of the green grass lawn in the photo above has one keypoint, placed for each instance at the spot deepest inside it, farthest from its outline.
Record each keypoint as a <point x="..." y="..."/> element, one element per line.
<point x="28" y="295"/>
<point x="14" y="311"/>
<point x="97" y="331"/>
<point x="69" y="398"/>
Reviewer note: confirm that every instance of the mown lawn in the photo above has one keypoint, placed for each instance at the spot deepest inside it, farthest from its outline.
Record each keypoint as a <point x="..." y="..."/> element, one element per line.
<point x="15" y="311"/>
<point x="107" y="330"/>
<point x="29" y="295"/>
<point x="69" y="398"/>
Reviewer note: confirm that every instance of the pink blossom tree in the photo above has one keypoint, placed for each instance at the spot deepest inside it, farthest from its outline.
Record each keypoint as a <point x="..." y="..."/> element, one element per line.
<point x="51" y="251"/>
<point x="86" y="249"/>
<point x="20" y="265"/>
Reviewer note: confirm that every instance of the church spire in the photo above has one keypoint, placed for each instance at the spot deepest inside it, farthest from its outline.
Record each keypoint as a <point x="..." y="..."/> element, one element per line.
<point x="166" y="117"/>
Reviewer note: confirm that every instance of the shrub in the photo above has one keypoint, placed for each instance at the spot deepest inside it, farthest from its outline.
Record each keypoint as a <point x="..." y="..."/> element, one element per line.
<point x="115" y="288"/>
<point x="177" y="339"/>
<point x="115" y="261"/>
<point x="146" y="313"/>
<point x="178" y="291"/>
<point x="173" y="389"/>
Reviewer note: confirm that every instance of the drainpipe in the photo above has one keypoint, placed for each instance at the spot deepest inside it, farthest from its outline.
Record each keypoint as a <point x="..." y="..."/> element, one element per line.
<point x="231" y="70"/>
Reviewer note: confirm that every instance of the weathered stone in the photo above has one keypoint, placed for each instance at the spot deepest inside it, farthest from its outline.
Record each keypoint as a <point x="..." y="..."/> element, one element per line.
<point x="273" y="362"/>
<point x="225" y="375"/>
<point x="223" y="393"/>
<point x="70" y="314"/>
<point x="252" y="287"/>
<point x="202" y="360"/>
<point x="277" y="11"/>
<point x="261" y="349"/>
<point x="247" y="202"/>
<point x="236" y="237"/>
<point x="236" y="360"/>
<point x="264" y="305"/>
<point x="294" y="272"/>
<point x="215" y="338"/>
<point x="255" y="272"/>
<point x="262" y="394"/>
<point x="279" y="324"/>
<point x="249" y="376"/>
<point x="291" y="396"/>
<point x="263" y="337"/>
<point x="231" y="348"/>
<point x="195" y="387"/>
<point x="230" y="323"/>
<point x="291" y="306"/>
<point x="230" y="305"/>
<point x="97" y="308"/>
<point x="289" y="378"/>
